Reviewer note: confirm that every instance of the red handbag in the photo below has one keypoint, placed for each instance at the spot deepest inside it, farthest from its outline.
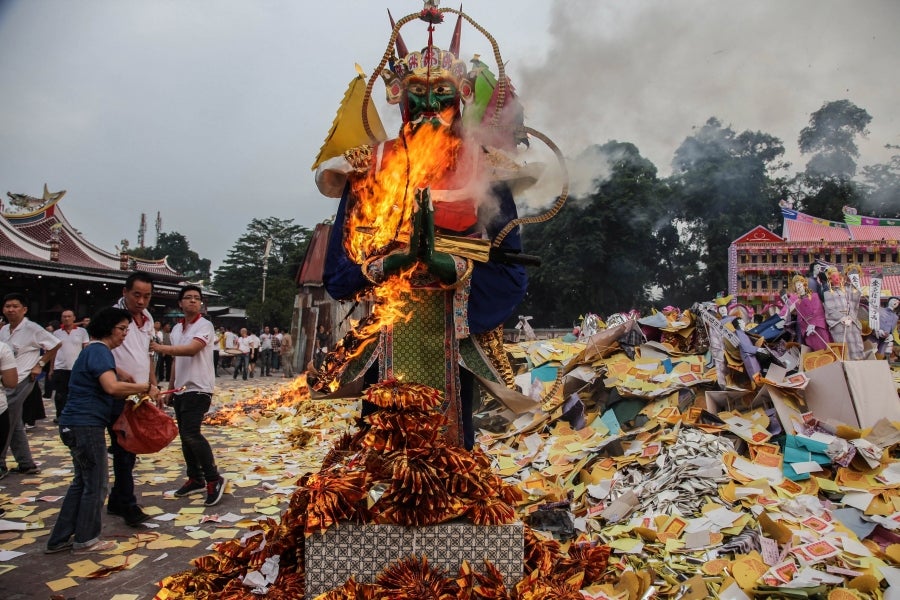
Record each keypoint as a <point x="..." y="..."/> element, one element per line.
<point x="142" y="428"/>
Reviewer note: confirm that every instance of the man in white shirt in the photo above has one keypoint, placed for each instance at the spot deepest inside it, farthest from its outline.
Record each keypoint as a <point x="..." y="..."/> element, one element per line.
<point x="253" y="341"/>
<point x="193" y="341"/>
<point x="243" y="344"/>
<point x="265" y="352"/>
<point x="26" y="339"/>
<point x="73" y="339"/>
<point x="134" y="365"/>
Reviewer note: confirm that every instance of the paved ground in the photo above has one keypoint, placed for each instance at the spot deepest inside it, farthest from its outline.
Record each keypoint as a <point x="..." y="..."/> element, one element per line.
<point x="254" y="453"/>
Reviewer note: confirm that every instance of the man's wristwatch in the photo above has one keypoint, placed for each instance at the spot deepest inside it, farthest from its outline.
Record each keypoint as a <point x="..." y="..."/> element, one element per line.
<point x="41" y="364"/>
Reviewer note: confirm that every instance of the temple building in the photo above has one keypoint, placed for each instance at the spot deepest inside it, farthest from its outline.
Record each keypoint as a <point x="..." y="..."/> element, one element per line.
<point x="761" y="262"/>
<point x="44" y="256"/>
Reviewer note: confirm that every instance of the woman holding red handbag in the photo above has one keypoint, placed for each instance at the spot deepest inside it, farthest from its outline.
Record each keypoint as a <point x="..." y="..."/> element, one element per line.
<point x="82" y="427"/>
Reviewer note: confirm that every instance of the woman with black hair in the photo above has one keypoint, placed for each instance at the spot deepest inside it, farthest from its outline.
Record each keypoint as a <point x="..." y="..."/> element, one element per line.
<point x="82" y="427"/>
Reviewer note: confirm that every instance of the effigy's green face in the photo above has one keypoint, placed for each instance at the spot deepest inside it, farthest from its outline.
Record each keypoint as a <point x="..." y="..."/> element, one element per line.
<point x="431" y="101"/>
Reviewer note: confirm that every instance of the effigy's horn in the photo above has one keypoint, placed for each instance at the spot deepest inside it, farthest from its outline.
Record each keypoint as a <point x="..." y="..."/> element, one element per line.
<point x="457" y="33"/>
<point x="402" y="51"/>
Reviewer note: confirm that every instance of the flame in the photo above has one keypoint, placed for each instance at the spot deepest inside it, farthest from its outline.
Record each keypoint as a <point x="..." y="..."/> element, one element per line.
<point x="265" y="402"/>
<point x="380" y="221"/>
<point x="380" y="218"/>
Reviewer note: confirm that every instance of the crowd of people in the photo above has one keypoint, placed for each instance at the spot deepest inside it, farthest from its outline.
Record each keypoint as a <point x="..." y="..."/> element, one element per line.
<point x="92" y="369"/>
<point x="272" y="350"/>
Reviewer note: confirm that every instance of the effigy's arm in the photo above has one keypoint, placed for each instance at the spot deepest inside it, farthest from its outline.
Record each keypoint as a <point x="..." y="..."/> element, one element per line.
<point x="343" y="278"/>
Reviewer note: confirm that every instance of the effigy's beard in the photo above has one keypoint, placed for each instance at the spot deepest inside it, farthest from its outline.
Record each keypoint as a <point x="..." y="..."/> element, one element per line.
<point x="436" y="119"/>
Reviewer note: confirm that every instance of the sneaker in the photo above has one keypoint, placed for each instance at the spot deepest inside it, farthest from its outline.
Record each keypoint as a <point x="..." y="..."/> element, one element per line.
<point x="99" y="546"/>
<point x="134" y="516"/>
<point x="191" y="486"/>
<point x="214" y="491"/>
<point x="58" y="548"/>
<point x="32" y="470"/>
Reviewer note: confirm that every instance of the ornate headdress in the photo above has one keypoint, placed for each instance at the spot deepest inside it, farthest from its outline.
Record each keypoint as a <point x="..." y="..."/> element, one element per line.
<point x="799" y="279"/>
<point x="431" y="63"/>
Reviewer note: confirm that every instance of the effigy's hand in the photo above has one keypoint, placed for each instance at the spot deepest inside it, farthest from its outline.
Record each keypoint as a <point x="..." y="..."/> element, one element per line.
<point x="439" y="264"/>
<point x="399" y="261"/>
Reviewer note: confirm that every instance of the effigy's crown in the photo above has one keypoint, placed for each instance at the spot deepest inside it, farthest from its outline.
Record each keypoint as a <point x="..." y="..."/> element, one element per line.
<point x="431" y="63"/>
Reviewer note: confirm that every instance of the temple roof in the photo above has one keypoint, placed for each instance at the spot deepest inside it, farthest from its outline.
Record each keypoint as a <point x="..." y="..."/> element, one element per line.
<point x="800" y="227"/>
<point x="26" y="235"/>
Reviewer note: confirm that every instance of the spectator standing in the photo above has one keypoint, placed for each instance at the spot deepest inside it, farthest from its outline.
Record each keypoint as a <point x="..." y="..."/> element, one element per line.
<point x="133" y="365"/>
<point x="26" y="339"/>
<point x="253" y="341"/>
<point x="73" y="339"/>
<point x="243" y="344"/>
<point x="193" y="340"/>
<point x="265" y="352"/>
<point x="287" y="356"/>
<point x="217" y="349"/>
<point x="93" y="386"/>
<point x="323" y="342"/>
<point x="48" y="383"/>
<point x="229" y="342"/>
<point x="276" y="348"/>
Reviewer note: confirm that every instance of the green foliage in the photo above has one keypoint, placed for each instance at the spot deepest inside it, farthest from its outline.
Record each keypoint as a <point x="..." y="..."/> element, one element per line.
<point x="240" y="278"/>
<point x="721" y="189"/>
<point x="830" y="139"/>
<point x="882" y="184"/>
<point x="175" y="247"/>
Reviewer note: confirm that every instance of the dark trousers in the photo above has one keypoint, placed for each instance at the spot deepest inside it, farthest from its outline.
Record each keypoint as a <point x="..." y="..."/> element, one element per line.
<point x="4" y="425"/>
<point x="266" y="356"/>
<point x="121" y="495"/>
<point x="240" y="365"/>
<point x="190" y="407"/>
<point x="216" y="362"/>
<point x="61" y="387"/>
<point x="163" y="368"/>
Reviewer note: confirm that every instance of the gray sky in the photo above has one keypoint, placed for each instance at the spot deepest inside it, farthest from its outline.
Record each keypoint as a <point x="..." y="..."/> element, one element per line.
<point x="212" y="111"/>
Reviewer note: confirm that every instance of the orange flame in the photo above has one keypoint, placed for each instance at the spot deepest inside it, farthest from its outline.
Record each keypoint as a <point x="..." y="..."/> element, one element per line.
<point x="419" y="158"/>
<point x="380" y="222"/>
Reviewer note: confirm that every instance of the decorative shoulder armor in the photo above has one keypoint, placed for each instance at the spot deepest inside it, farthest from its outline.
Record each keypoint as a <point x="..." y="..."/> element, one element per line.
<point x="359" y="158"/>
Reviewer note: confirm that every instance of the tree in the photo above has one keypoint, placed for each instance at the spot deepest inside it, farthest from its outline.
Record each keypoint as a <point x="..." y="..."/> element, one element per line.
<point x="830" y="138"/>
<point x="598" y="253"/>
<point x="177" y="250"/>
<point x="883" y="183"/>
<point x="240" y="278"/>
<point x="721" y="189"/>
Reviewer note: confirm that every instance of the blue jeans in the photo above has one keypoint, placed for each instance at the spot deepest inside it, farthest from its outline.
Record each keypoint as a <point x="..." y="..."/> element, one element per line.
<point x="240" y="364"/>
<point x="190" y="407"/>
<point x="121" y="496"/>
<point x="80" y="514"/>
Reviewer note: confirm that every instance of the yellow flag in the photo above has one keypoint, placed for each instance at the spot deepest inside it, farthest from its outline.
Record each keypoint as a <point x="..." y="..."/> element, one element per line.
<point x="348" y="131"/>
